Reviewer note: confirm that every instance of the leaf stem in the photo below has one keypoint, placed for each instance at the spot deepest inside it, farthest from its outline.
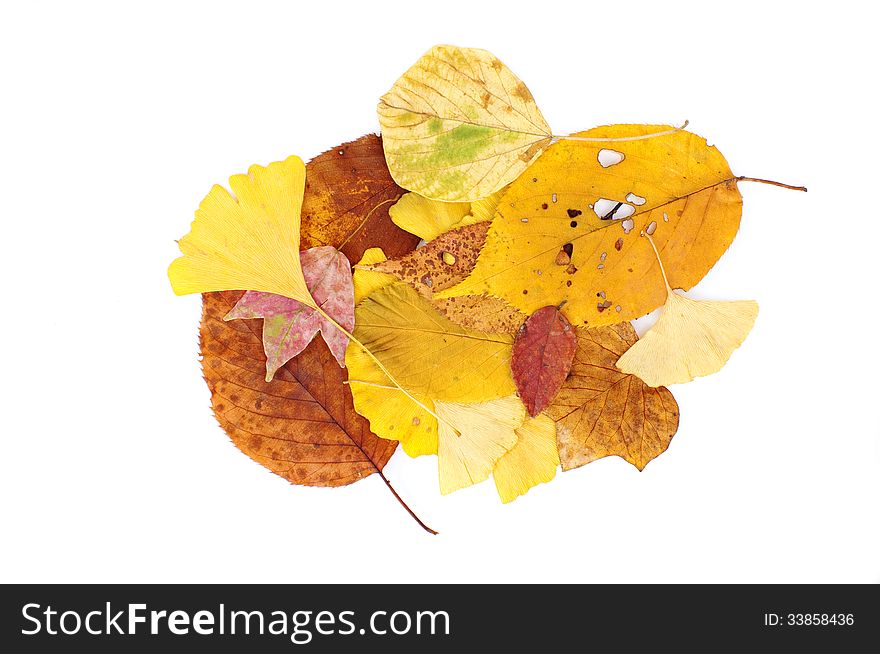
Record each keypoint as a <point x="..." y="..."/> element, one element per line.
<point x="659" y="261"/>
<point x="619" y="139"/>
<point x="383" y="368"/>
<point x="771" y="183"/>
<point x="364" y="221"/>
<point x="404" y="504"/>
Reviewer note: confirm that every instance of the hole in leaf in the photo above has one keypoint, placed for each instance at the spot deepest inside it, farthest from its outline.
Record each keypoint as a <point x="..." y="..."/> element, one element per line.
<point x="637" y="200"/>
<point x="611" y="210"/>
<point x="651" y="228"/>
<point x="628" y="225"/>
<point x="609" y="158"/>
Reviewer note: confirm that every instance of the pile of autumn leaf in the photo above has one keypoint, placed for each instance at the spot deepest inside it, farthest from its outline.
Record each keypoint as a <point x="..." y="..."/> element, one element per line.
<point x="486" y="317"/>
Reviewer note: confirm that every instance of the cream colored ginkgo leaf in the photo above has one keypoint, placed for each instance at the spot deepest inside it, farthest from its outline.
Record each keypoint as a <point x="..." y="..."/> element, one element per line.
<point x="487" y="432"/>
<point x="691" y="338"/>
<point x="532" y="461"/>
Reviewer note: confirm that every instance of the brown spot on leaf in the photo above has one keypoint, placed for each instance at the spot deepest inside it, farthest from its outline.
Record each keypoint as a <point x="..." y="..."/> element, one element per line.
<point x="618" y="244"/>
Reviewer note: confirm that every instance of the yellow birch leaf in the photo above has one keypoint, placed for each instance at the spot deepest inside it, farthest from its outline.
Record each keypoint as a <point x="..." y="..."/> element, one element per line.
<point x="459" y="125"/>
<point x="691" y="338"/>
<point x="368" y="281"/>
<point x="431" y="357"/>
<point x="548" y="242"/>
<point x="247" y="240"/>
<point x="485" y="209"/>
<point x="487" y="432"/>
<point x="429" y="219"/>
<point x="426" y="218"/>
<point x="532" y="461"/>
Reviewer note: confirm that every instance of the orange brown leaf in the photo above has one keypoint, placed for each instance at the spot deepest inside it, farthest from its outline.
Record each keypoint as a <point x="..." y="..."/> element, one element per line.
<point x="302" y="425"/>
<point x="483" y="313"/>
<point x="348" y="193"/>
<point x="600" y="411"/>
<point x="441" y="263"/>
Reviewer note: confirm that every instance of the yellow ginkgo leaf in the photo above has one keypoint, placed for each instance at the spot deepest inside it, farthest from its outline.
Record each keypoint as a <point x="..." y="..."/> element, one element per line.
<point x="532" y="461"/>
<point x="431" y="357"/>
<point x="247" y="239"/>
<point x="691" y="338"/>
<point x="459" y="125"/>
<point x="487" y="432"/>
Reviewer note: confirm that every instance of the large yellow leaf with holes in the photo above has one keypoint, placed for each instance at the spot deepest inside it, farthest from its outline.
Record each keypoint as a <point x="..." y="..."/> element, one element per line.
<point x="459" y="125"/>
<point x="555" y="239"/>
<point x="431" y="357"/>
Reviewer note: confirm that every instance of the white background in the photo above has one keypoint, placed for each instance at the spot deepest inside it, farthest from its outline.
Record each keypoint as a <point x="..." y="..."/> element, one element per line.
<point x="116" y="121"/>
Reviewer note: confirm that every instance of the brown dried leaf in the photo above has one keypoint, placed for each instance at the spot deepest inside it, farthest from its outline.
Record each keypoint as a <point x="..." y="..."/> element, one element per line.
<point x="440" y="264"/>
<point x="600" y="411"/>
<point x="302" y="425"/>
<point x="348" y="193"/>
<point x="542" y="356"/>
<point x="482" y="312"/>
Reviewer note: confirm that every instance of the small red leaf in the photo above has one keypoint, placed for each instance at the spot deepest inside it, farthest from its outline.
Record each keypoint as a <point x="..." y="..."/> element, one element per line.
<point x="542" y="355"/>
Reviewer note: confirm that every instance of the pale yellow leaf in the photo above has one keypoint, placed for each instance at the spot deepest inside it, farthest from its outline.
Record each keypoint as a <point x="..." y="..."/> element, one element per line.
<point x="691" y="338"/>
<point x="487" y="431"/>
<point x="532" y="461"/>
<point x="459" y="125"/>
